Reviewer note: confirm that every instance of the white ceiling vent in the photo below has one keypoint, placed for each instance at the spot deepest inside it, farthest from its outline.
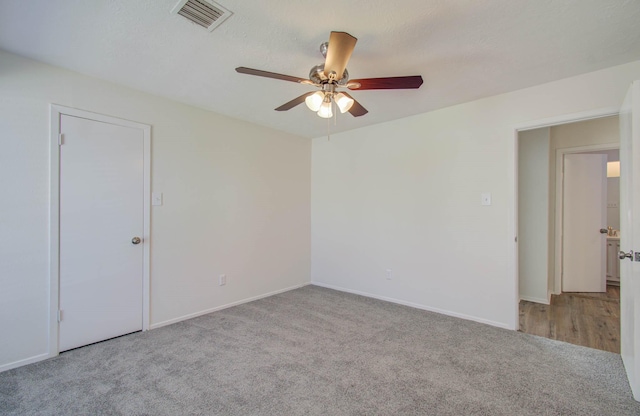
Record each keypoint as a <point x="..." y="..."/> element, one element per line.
<point x="205" y="13"/>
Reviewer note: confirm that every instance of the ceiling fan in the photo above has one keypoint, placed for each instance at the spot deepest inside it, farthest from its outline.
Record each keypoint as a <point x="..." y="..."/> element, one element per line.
<point x="331" y="76"/>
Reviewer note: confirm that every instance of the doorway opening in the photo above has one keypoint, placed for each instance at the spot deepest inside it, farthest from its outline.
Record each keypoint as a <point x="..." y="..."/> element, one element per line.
<point x="580" y="318"/>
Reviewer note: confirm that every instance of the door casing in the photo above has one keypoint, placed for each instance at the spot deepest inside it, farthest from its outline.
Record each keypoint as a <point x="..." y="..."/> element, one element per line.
<point x="56" y="112"/>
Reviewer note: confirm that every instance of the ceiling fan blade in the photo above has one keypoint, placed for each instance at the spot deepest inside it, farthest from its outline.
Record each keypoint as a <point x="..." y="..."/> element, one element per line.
<point x="341" y="45"/>
<point x="356" y="109"/>
<point x="388" y="83"/>
<point x="266" y="74"/>
<point x="294" y="102"/>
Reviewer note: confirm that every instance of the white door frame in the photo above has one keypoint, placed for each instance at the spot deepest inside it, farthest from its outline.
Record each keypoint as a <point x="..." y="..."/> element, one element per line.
<point x="512" y="254"/>
<point x="557" y="275"/>
<point x="54" y="247"/>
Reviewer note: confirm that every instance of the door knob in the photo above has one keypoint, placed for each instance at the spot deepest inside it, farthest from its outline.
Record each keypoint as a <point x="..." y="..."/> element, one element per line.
<point x="138" y="240"/>
<point x="624" y="255"/>
<point x="604" y="231"/>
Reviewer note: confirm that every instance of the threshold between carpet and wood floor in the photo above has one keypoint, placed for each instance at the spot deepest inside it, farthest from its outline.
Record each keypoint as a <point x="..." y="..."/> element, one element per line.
<point x="317" y="351"/>
<point x="587" y="319"/>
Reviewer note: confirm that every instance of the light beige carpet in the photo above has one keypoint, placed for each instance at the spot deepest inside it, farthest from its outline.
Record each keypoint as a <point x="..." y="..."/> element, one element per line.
<point x="315" y="351"/>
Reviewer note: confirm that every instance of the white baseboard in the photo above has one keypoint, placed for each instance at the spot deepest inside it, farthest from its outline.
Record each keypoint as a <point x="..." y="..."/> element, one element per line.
<point x="20" y="363"/>
<point x="40" y="357"/>
<point x="228" y="305"/>
<point x="536" y="300"/>
<point x="417" y="306"/>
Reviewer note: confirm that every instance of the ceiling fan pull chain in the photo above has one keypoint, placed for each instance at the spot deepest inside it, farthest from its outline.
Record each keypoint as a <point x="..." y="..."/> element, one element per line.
<point x="328" y="129"/>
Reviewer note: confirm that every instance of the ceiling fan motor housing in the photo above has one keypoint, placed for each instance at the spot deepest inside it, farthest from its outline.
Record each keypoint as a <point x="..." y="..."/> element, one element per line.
<point x="318" y="76"/>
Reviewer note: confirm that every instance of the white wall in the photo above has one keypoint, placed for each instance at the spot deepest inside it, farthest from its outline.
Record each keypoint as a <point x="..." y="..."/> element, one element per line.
<point x="613" y="186"/>
<point x="613" y="190"/>
<point x="613" y="201"/>
<point x="236" y="201"/>
<point x="533" y="214"/>
<point x="405" y="195"/>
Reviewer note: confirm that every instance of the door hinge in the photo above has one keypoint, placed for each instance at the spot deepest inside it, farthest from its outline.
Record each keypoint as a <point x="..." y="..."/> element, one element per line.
<point x="59" y="315"/>
<point x="60" y="139"/>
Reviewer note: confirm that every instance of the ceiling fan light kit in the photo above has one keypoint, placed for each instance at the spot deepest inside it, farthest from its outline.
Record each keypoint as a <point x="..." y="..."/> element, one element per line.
<point x="325" y="109"/>
<point x="343" y="102"/>
<point x="333" y="74"/>
<point x="320" y="101"/>
<point x="314" y="101"/>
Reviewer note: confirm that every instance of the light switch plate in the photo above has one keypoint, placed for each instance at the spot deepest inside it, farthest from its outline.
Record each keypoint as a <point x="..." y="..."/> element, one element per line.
<point x="485" y="198"/>
<point x="156" y="198"/>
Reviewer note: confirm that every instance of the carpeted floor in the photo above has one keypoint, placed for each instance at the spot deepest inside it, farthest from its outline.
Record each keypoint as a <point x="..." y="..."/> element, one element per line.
<point x="315" y="351"/>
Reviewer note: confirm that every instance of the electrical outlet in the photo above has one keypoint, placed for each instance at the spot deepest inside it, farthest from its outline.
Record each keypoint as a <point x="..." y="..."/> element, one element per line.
<point x="389" y="274"/>
<point x="222" y="280"/>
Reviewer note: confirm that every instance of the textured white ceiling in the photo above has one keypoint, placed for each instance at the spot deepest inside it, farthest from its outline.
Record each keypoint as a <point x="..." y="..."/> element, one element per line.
<point x="464" y="49"/>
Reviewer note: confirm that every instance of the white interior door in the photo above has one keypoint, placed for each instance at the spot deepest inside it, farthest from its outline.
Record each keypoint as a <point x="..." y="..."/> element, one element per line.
<point x="101" y="211"/>
<point x="584" y="214"/>
<point x="630" y="236"/>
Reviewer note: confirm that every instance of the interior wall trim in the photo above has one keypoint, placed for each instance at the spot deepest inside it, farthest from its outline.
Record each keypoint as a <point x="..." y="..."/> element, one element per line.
<point x="228" y="305"/>
<point x="503" y="325"/>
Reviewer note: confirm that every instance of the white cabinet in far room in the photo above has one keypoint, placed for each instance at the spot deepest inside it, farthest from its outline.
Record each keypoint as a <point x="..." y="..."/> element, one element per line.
<point x="613" y="262"/>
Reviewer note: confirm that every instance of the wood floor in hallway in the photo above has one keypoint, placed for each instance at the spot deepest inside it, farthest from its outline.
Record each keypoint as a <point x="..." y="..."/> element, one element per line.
<point x="588" y="319"/>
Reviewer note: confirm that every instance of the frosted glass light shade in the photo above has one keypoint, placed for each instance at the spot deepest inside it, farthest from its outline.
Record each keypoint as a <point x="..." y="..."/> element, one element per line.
<point x="325" y="110"/>
<point x="613" y="169"/>
<point x="314" y="101"/>
<point x="344" y="103"/>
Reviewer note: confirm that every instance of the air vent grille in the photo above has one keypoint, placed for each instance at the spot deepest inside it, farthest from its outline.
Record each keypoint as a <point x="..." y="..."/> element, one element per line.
<point x="207" y="14"/>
